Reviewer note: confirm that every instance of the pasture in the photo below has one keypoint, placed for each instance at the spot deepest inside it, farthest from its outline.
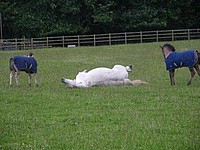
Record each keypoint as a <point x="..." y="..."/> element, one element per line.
<point x="153" y="116"/>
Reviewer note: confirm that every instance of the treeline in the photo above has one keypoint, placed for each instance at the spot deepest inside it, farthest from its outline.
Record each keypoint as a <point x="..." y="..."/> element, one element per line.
<point x="31" y="18"/>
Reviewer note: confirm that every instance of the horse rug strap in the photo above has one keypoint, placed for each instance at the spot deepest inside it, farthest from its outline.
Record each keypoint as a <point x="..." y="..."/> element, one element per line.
<point x="25" y="63"/>
<point x="180" y="59"/>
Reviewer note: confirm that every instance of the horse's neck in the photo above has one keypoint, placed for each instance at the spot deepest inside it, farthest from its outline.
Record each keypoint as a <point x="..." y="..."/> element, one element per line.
<point x="167" y="53"/>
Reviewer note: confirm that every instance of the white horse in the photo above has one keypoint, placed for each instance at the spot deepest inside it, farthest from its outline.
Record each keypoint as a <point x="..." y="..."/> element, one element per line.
<point x="23" y="63"/>
<point x="118" y="75"/>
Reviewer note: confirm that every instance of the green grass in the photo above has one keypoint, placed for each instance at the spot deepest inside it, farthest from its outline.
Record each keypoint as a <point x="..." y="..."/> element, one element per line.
<point x="155" y="116"/>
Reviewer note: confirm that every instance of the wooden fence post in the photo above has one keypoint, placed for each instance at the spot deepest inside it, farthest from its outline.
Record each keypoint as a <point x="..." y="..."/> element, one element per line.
<point x="78" y="40"/>
<point x="172" y="35"/>
<point x="16" y="43"/>
<point x="188" y="34"/>
<point x="94" y="40"/>
<point x="125" y="38"/>
<point x="110" y="43"/>
<point x="63" y="41"/>
<point x="157" y="36"/>
<point x="24" y="42"/>
<point x="47" y="42"/>
<point x="31" y="43"/>
<point x="140" y="36"/>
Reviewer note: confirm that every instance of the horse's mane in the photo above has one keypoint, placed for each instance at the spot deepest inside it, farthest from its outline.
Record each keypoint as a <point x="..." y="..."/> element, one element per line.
<point x="169" y="46"/>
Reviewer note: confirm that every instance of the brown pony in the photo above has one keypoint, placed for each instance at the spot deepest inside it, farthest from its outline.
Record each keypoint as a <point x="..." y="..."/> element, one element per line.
<point x="23" y="63"/>
<point x="174" y="60"/>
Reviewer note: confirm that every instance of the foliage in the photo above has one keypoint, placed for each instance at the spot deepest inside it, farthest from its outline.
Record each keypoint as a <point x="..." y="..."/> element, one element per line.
<point x="154" y="116"/>
<point x="64" y="17"/>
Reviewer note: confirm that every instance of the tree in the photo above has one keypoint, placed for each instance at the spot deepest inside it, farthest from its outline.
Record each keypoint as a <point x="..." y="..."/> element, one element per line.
<point x="31" y="18"/>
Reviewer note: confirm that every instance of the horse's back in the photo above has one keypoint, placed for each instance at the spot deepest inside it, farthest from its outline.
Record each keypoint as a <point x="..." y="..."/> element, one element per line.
<point x="99" y="70"/>
<point x="25" y="63"/>
<point x="180" y="59"/>
<point x="187" y="58"/>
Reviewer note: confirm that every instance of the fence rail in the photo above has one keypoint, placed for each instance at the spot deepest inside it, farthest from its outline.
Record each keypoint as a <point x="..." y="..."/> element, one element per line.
<point x="100" y="39"/>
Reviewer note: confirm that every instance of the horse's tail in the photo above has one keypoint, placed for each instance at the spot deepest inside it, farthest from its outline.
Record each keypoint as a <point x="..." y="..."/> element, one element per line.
<point x="12" y="65"/>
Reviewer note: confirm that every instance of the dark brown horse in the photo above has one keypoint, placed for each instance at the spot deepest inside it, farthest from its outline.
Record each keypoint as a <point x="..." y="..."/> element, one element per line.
<point x="174" y="60"/>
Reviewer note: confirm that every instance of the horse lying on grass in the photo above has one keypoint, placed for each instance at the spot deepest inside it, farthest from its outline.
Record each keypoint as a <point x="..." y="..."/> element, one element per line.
<point x="174" y="60"/>
<point x="116" y="76"/>
<point x="23" y="63"/>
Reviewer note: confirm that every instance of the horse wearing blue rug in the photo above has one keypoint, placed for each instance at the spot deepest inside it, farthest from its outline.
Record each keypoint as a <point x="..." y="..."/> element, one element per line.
<point x="23" y="63"/>
<point x="174" y="60"/>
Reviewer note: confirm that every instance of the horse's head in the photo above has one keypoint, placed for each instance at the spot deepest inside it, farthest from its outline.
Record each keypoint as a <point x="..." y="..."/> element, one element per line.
<point x="129" y="68"/>
<point x="167" y="48"/>
<point x="30" y="55"/>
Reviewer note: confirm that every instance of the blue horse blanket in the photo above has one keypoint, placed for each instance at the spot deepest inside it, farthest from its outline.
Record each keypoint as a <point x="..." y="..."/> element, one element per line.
<point x="180" y="59"/>
<point x="24" y="63"/>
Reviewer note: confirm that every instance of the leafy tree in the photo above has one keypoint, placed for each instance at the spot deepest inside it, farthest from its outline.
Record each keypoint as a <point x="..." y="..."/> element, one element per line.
<point x="31" y="18"/>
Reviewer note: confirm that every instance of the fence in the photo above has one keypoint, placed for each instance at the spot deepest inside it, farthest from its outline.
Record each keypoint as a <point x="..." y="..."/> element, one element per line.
<point x="99" y="39"/>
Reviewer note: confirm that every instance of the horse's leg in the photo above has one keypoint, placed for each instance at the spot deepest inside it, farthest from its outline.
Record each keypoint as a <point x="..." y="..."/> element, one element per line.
<point x="17" y="73"/>
<point x="29" y="79"/>
<point x="12" y="73"/>
<point x="171" y="75"/>
<point x="35" y="78"/>
<point x="12" y="70"/>
<point x="192" y="72"/>
<point x="197" y="69"/>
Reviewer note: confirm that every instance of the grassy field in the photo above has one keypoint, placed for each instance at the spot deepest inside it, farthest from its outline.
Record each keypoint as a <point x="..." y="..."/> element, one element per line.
<point x="154" y="116"/>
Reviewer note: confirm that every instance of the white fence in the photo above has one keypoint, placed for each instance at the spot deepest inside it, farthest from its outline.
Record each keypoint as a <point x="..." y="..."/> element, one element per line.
<point x="100" y="39"/>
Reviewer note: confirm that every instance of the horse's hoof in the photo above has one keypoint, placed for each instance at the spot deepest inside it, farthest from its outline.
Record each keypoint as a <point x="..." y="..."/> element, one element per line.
<point x="172" y="84"/>
<point x="189" y="83"/>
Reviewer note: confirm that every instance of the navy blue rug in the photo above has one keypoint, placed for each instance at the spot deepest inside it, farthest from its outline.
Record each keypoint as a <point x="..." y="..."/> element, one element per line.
<point x="180" y="59"/>
<point x="24" y="63"/>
